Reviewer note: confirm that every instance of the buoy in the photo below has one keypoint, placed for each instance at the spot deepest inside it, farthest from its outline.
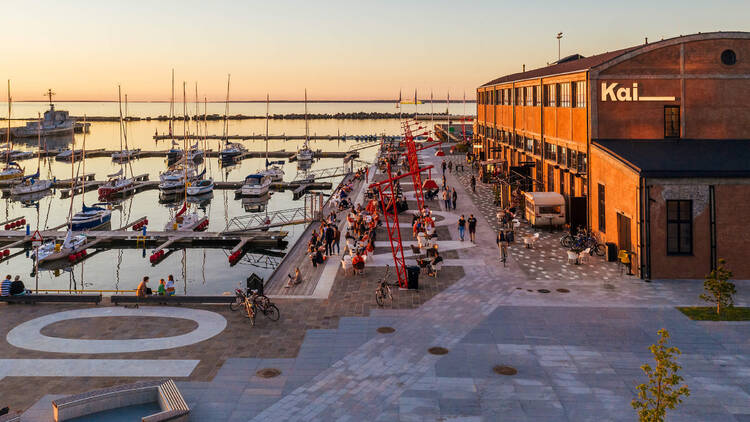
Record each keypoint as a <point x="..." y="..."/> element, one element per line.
<point x="145" y="221"/>
<point x="71" y="258"/>
<point x="23" y="221"/>
<point x="7" y="227"/>
<point x="6" y="252"/>
<point x="84" y="253"/>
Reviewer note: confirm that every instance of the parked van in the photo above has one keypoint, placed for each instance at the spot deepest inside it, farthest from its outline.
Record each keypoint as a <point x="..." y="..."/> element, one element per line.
<point x="545" y="208"/>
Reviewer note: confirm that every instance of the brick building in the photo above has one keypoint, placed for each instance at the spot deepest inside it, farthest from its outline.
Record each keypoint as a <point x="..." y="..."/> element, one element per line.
<point x="648" y="144"/>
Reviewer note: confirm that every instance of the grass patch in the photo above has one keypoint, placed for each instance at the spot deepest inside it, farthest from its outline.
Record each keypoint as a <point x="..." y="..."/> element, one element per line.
<point x="706" y="313"/>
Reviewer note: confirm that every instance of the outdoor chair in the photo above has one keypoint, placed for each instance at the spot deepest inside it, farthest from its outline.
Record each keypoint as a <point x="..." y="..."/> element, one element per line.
<point x="572" y="257"/>
<point x="435" y="268"/>
<point x="583" y="256"/>
<point x="346" y="264"/>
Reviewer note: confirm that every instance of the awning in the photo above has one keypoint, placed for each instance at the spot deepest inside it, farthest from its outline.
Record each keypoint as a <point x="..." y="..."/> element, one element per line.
<point x="495" y="161"/>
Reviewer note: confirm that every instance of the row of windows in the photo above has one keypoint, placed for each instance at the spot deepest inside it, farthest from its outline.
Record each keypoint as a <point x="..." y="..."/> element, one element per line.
<point x="561" y="155"/>
<point x="566" y="94"/>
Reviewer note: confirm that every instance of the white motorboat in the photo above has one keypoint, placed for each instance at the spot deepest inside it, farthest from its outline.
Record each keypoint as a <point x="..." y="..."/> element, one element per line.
<point x="256" y="185"/>
<point x="68" y="155"/>
<point x="200" y="187"/>
<point x="275" y="173"/>
<point x="125" y="155"/>
<point x="21" y="155"/>
<point x="305" y="154"/>
<point x="231" y="151"/>
<point x="52" y="250"/>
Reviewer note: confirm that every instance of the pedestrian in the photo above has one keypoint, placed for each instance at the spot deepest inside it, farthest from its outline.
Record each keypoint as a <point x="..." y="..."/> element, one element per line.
<point x="170" y="285"/>
<point x="446" y="200"/>
<point x="454" y="197"/>
<point x="473" y="184"/>
<point x="329" y="235"/>
<point x="336" y="239"/>
<point x="444" y="182"/>
<point x="472" y="227"/>
<point x="450" y="166"/>
<point x="461" y="227"/>
<point x="444" y="165"/>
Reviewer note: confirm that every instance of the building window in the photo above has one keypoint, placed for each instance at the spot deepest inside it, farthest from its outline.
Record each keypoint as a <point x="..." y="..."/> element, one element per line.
<point x="579" y="94"/>
<point x="550" y="178"/>
<point x="572" y="185"/>
<point x="517" y="97"/>
<point x="728" y="57"/>
<point x="602" y="220"/>
<point x="549" y="96"/>
<point x="529" y="93"/>
<point x="562" y="182"/>
<point x="573" y="159"/>
<point x="680" y="227"/>
<point x="671" y="121"/>
<point x="562" y="156"/>
<point x="529" y="145"/>
<point x="582" y="163"/>
<point x="537" y="147"/>
<point x="535" y="90"/>
<point x="564" y="94"/>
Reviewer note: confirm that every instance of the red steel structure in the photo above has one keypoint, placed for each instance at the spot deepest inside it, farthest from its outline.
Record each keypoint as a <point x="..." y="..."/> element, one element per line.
<point x="388" y="196"/>
<point x="411" y="156"/>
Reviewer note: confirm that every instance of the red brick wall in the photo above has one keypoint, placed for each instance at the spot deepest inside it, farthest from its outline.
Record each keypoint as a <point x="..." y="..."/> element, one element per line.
<point x="732" y="230"/>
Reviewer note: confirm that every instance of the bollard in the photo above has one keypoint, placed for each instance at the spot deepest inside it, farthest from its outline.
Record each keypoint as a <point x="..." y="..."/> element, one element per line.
<point x="143" y="230"/>
<point x="28" y="230"/>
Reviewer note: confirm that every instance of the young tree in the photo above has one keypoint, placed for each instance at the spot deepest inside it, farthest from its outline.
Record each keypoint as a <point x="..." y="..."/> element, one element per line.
<point x="719" y="289"/>
<point x="662" y="391"/>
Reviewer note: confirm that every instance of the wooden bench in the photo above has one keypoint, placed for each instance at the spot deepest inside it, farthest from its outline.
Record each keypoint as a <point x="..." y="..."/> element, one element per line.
<point x="53" y="298"/>
<point x="164" y="392"/>
<point x="170" y="300"/>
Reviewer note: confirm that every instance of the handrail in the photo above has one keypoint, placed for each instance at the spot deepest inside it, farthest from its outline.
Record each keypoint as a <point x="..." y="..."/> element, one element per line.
<point x="83" y="291"/>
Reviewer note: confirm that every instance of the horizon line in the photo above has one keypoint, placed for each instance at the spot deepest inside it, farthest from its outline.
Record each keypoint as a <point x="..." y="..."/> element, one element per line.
<point x="395" y="100"/>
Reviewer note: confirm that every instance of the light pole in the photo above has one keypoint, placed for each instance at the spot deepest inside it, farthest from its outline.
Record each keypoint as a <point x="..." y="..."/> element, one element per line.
<point x="559" y="37"/>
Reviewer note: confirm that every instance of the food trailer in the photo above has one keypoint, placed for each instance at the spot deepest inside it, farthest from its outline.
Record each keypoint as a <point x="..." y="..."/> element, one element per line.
<point x="545" y="208"/>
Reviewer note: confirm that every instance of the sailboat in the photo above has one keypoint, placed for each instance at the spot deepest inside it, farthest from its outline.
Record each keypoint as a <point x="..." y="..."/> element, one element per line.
<point x="305" y="154"/>
<point x="73" y="243"/>
<point x="12" y="170"/>
<point x="32" y="183"/>
<point x="89" y="218"/>
<point x="231" y="150"/>
<point x="272" y="170"/>
<point x="201" y="186"/>
<point x="118" y="181"/>
<point x="186" y="220"/>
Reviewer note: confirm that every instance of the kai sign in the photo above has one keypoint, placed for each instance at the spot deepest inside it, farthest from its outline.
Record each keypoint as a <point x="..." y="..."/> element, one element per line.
<point x="614" y="92"/>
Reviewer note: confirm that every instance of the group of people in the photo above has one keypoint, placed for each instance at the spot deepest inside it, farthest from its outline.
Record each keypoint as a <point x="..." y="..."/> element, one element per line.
<point x="13" y="287"/>
<point x="164" y="289"/>
<point x="471" y="222"/>
<point x="323" y="241"/>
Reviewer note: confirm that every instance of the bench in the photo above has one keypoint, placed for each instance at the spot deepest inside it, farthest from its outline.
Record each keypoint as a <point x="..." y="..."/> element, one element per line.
<point x="164" y="392"/>
<point x="53" y="298"/>
<point x="170" y="300"/>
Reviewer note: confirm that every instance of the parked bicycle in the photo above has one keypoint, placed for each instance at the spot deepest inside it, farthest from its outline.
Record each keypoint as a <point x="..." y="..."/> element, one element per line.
<point x="255" y="304"/>
<point x="583" y="240"/>
<point x="383" y="292"/>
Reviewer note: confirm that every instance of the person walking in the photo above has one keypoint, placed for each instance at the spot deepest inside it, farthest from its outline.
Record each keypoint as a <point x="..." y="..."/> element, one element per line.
<point x="454" y="197"/>
<point x="473" y="184"/>
<point x="450" y="166"/>
<point x="472" y="228"/>
<point x="446" y="200"/>
<point x="336" y="239"/>
<point x="461" y="227"/>
<point x="329" y="235"/>
<point x="444" y="182"/>
<point x="444" y="165"/>
<point x="502" y="243"/>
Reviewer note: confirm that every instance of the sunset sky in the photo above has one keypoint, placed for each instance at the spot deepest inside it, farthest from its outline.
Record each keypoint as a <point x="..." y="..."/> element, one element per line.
<point x="336" y="49"/>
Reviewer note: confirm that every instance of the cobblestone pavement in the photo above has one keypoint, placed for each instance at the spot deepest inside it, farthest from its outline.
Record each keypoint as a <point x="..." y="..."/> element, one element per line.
<point x="576" y="350"/>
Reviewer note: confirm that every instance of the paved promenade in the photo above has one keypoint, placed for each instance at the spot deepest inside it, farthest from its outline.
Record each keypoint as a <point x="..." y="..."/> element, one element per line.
<point x="574" y="338"/>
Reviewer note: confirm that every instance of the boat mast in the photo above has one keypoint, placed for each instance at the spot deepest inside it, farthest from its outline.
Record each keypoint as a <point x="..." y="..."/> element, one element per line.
<point x="197" y="122"/>
<point x="307" y="127"/>
<point x="7" y="134"/>
<point x="125" y="138"/>
<point x="72" y="175"/>
<point x="432" y="112"/>
<point x="184" y="135"/>
<point x="83" y="158"/>
<point x="119" y="102"/>
<point x="267" y="101"/>
<point x="171" y="107"/>
<point x="39" y="146"/>
<point x="205" y="131"/>
<point x="226" y="112"/>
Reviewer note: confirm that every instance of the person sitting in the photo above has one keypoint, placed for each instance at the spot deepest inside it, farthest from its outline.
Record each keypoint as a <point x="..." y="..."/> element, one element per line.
<point x="294" y="280"/>
<point x="5" y="286"/>
<point x="143" y="290"/>
<point x="316" y="258"/>
<point x="17" y="288"/>
<point x="432" y="269"/>
<point x="162" y="289"/>
<point x="358" y="262"/>
<point x="170" y="285"/>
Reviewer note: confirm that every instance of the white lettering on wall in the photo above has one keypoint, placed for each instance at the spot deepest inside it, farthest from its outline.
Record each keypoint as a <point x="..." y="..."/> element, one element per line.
<point x="611" y="92"/>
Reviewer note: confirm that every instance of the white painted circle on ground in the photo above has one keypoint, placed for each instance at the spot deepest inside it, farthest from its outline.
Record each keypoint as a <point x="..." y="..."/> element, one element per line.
<point x="28" y="335"/>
